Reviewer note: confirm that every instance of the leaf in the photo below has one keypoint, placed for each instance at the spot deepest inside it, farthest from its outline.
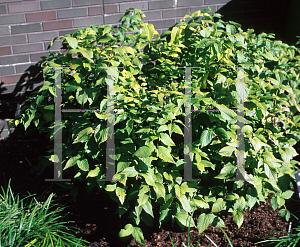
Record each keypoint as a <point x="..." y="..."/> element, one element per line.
<point x="143" y="152"/>
<point x="130" y="172"/>
<point x="218" y="205"/>
<point x="173" y="34"/>
<point x="165" y="139"/>
<point x="206" y="137"/>
<point x="227" y="151"/>
<point x="287" y="194"/>
<point x="138" y="235"/>
<point x="81" y="96"/>
<point x="238" y="218"/>
<point x="165" y="154"/>
<point x="222" y="133"/>
<point x="82" y="134"/>
<point x="205" y="32"/>
<point x="160" y="190"/>
<point x="100" y="135"/>
<point x="203" y="221"/>
<point x="226" y="170"/>
<point x="71" y="41"/>
<point x="162" y="128"/>
<point x="148" y="208"/>
<point x="128" y="49"/>
<point x="71" y="162"/>
<point x="93" y="173"/>
<point x="121" y="193"/>
<point x="185" y="219"/>
<point x="127" y="231"/>
<point x="185" y="203"/>
<point x="240" y="204"/>
<point x="143" y="198"/>
<point x="230" y="29"/>
<point x="287" y="153"/>
<point x="83" y="165"/>
<point x="257" y="143"/>
<point x="202" y="164"/>
<point x="200" y="202"/>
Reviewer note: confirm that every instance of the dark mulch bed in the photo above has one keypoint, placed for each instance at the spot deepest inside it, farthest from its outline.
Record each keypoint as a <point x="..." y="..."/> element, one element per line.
<point x="94" y="213"/>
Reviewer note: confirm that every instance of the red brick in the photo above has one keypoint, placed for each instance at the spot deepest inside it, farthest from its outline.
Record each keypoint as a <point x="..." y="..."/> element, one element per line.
<point x="23" y="7"/>
<point x="56" y="25"/>
<point x="41" y="16"/>
<point x="6" y="50"/>
<point x="109" y="9"/>
<point x="95" y="10"/>
<point x="10" y="79"/>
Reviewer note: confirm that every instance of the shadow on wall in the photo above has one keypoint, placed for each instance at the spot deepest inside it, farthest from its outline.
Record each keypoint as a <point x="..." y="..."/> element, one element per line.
<point x="270" y="16"/>
<point x="12" y="96"/>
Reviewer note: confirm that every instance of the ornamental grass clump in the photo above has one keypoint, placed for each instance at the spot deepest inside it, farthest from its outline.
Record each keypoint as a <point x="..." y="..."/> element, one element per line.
<point x="34" y="223"/>
<point x="149" y="81"/>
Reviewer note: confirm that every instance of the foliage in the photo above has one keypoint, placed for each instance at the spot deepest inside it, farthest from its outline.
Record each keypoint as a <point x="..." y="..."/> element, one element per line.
<point x="149" y="123"/>
<point x="35" y="224"/>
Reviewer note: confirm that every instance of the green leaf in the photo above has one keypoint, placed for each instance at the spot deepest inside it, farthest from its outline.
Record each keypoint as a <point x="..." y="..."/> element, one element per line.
<point x="227" y="151"/>
<point x="82" y="134"/>
<point x="162" y="128"/>
<point x="287" y="194"/>
<point x="240" y="204"/>
<point x="163" y="215"/>
<point x="160" y="190"/>
<point x="127" y="231"/>
<point x="71" y="162"/>
<point x="130" y="172"/>
<point x="222" y="133"/>
<point x="86" y="53"/>
<point x="148" y="208"/>
<point x="71" y="41"/>
<point x="274" y="203"/>
<point x="205" y="32"/>
<point x="128" y="49"/>
<point x="143" y="152"/>
<point x="165" y="139"/>
<point x="280" y="201"/>
<point x="138" y="235"/>
<point x="165" y="154"/>
<point x="203" y="221"/>
<point x="238" y="218"/>
<point x="218" y="222"/>
<point x="81" y="96"/>
<point x="100" y="134"/>
<point x="93" y="173"/>
<point x="185" y="219"/>
<point x="111" y="187"/>
<point x="287" y="153"/>
<point x="121" y="193"/>
<point x="218" y="205"/>
<point x="149" y="179"/>
<point x="206" y="137"/>
<point x="143" y="198"/>
<point x="185" y="203"/>
<point x="230" y="29"/>
<point x="228" y="169"/>
<point x="83" y="165"/>
<point x="200" y="202"/>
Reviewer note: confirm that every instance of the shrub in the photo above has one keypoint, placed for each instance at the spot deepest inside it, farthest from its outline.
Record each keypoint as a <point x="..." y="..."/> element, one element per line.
<point x="149" y="132"/>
